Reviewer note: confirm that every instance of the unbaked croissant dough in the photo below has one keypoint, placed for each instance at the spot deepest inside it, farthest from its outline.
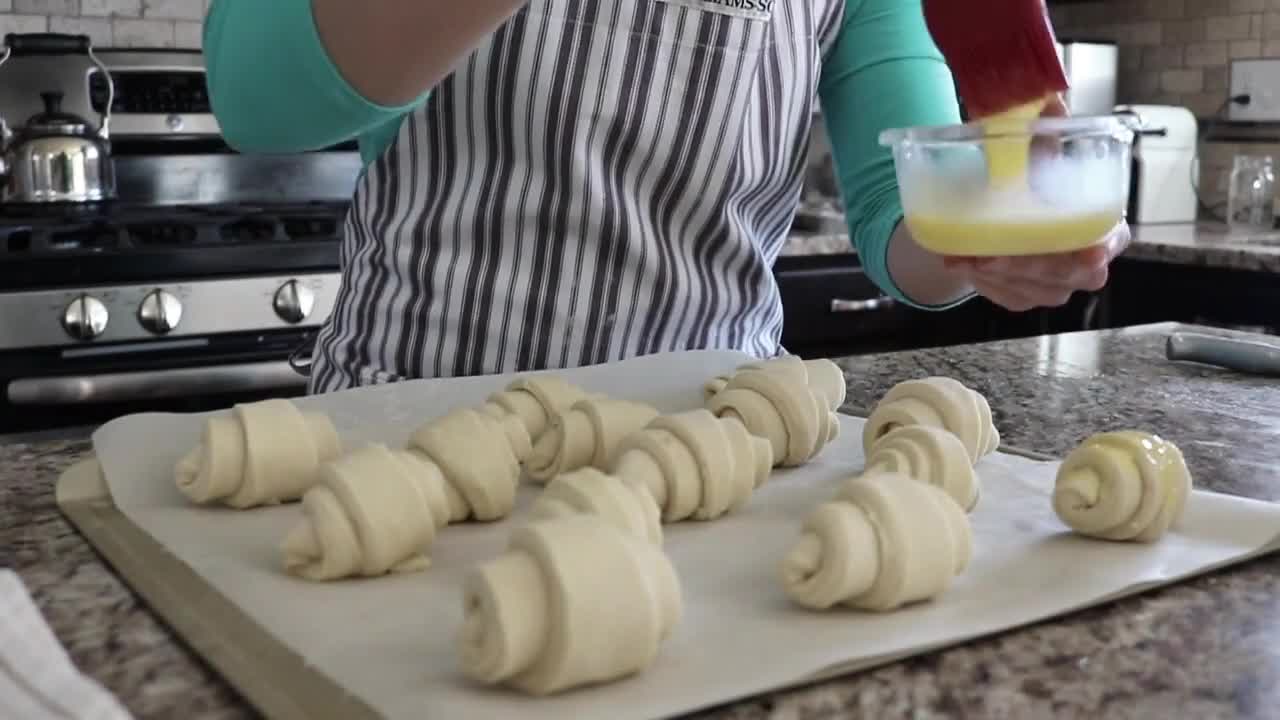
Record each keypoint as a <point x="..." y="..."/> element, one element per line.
<point x="377" y="510"/>
<point x="535" y="400"/>
<point x="694" y="464"/>
<point x="585" y="435"/>
<point x="884" y="542"/>
<point x="374" y="511"/>
<point x="928" y="454"/>
<point x="779" y="404"/>
<point x="588" y="490"/>
<point x="1124" y="485"/>
<point x="821" y="375"/>
<point x="262" y="453"/>
<point x="574" y="601"/>
<point x="941" y="402"/>
<point x="478" y="456"/>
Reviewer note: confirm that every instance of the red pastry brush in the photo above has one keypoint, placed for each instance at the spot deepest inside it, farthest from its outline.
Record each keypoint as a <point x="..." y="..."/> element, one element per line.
<point x="1002" y="53"/>
<point x="1004" y="57"/>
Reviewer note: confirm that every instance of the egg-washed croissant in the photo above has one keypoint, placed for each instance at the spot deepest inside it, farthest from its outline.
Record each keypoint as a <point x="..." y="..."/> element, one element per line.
<point x="262" y="453"/>
<point x="940" y="402"/>
<point x="588" y="490"/>
<point x="695" y="465"/>
<point x="378" y="510"/>
<point x="535" y="400"/>
<point x="585" y="435"/>
<point x="574" y="601"/>
<point x="1124" y="485"/>
<point x="885" y="542"/>
<point x="928" y="454"/>
<point x="781" y="406"/>
<point x="821" y="375"/>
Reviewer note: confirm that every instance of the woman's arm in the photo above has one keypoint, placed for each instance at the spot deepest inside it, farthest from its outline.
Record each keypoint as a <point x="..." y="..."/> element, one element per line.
<point x="296" y="75"/>
<point x="884" y="71"/>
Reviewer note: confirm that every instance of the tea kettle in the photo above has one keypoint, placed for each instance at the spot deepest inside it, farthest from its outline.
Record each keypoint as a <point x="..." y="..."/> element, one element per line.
<point x="56" y="157"/>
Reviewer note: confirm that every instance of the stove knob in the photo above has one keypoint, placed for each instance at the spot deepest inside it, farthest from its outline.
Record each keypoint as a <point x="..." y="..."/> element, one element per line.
<point x="293" y="302"/>
<point x="160" y="312"/>
<point x="85" y="318"/>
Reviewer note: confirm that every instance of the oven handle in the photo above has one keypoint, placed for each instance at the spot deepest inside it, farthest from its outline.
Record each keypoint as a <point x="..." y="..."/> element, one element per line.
<point x="842" y="306"/>
<point x="146" y="385"/>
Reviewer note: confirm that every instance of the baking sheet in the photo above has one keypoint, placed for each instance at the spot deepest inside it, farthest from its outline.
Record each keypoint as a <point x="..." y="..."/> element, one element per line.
<point x="390" y="641"/>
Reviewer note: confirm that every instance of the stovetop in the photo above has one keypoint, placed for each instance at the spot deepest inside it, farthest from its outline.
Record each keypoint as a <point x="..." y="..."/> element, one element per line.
<point x="46" y="246"/>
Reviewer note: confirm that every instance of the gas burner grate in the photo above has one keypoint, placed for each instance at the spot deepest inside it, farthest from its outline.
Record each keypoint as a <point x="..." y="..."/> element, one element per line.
<point x="140" y="240"/>
<point x="310" y="228"/>
<point x="162" y="234"/>
<point x="94" y="238"/>
<point x="18" y="241"/>
<point x="250" y="230"/>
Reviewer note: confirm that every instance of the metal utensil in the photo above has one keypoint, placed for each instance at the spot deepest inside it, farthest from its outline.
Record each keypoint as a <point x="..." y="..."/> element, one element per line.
<point x="56" y="157"/>
<point x="1247" y="356"/>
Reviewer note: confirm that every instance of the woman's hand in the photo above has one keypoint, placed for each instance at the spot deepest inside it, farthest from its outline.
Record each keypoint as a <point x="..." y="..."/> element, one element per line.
<point x="1026" y="282"/>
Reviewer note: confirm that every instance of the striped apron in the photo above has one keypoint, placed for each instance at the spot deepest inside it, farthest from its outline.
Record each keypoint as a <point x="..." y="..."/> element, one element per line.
<point x="600" y="179"/>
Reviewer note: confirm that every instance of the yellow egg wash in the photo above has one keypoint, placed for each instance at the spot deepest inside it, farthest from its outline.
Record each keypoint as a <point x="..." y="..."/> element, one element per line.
<point x="990" y="236"/>
<point x="1017" y="223"/>
<point x="1008" y="157"/>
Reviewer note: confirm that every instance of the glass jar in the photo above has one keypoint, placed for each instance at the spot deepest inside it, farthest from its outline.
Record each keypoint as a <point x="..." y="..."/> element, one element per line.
<point x="1251" y="194"/>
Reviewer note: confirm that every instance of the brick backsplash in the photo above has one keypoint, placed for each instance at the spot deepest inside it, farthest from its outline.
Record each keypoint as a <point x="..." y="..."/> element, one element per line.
<point x="110" y="23"/>
<point x="1179" y="52"/>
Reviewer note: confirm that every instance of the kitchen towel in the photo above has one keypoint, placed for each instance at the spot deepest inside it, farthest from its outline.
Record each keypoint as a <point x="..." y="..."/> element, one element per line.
<point x="37" y="677"/>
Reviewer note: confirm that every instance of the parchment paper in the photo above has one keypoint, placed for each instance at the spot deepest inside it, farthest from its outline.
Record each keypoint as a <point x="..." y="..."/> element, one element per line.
<point x="389" y="641"/>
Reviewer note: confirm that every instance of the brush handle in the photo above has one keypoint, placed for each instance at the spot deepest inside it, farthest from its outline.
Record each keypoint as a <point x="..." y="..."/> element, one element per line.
<point x="1247" y="356"/>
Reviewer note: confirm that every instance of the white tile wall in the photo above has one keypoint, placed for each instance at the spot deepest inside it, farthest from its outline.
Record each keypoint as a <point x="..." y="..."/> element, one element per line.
<point x="110" y="23"/>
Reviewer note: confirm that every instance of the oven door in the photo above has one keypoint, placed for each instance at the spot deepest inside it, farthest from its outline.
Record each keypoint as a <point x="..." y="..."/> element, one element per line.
<point x="87" y="385"/>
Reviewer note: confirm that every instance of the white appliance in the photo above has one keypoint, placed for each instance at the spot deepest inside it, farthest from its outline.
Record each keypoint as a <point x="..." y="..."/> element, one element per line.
<point x="1164" y="163"/>
<point x="1091" y="73"/>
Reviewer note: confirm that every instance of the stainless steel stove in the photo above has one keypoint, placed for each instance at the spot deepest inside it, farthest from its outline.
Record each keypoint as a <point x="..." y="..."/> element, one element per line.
<point x="199" y="285"/>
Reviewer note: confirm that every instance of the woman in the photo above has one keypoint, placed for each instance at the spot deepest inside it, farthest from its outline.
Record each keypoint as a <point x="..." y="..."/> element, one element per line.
<point x="576" y="181"/>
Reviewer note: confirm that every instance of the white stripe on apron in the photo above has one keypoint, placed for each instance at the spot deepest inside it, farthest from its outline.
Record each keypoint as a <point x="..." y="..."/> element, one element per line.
<point x="597" y="181"/>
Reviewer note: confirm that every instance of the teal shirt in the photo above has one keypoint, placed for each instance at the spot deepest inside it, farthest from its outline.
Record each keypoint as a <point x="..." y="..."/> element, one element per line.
<point x="274" y="89"/>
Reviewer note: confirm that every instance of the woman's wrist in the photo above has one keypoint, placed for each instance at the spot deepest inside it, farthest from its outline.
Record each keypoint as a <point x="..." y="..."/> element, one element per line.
<point x="923" y="275"/>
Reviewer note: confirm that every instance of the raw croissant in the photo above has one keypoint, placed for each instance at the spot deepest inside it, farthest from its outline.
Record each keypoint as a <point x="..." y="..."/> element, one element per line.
<point x="535" y="400"/>
<point x="821" y="375"/>
<point x="928" y="454"/>
<point x="478" y="456"/>
<point x="941" y="402"/>
<point x="574" y="601"/>
<point x="694" y="464"/>
<point x="261" y="454"/>
<point x="885" y="542"/>
<point x="588" y="490"/>
<point x="375" y="511"/>
<point x="780" y="405"/>
<point x="378" y="510"/>
<point x="1125" y="485"/>
<point x="585" y="435"/>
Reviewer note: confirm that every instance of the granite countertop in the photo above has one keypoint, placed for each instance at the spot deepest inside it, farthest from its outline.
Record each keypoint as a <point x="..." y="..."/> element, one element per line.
<point x="1203" y="244"/>
<point x="1206" y="648"/>
<point x="833" y="243"/>
<point x="1207" y="244"/>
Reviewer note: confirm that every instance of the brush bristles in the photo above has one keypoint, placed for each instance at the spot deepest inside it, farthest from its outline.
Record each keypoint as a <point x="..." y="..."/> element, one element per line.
<point x="1002" y="55"/>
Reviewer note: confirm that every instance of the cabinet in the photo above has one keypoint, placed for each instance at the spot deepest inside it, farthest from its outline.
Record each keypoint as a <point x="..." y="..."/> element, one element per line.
<point x="832" y="309"/>
<point x="1144" y="291"/>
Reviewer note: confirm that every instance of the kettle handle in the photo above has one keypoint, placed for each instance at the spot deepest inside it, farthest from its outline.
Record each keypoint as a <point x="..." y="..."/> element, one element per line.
<point x="46" y="44"/>
<point x="16" y="44"/>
